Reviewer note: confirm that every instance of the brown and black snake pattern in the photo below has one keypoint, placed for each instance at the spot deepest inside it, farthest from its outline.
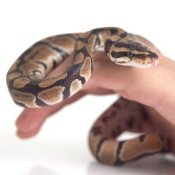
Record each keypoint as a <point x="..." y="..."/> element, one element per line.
<point x="124" y="115"/>
<point x="29" y="86"/>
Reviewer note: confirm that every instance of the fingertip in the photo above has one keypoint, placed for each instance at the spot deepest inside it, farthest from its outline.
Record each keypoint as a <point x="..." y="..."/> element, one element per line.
<point x="27" y="134"/>
<point x="30" y="119"/>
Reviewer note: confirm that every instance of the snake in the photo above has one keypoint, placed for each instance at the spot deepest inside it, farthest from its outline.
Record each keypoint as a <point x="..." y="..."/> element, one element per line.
<point x="30" y="86"/>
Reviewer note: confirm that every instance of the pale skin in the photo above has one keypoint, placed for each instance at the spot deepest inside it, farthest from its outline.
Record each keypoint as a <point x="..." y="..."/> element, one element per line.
<point x="153" y="87"/>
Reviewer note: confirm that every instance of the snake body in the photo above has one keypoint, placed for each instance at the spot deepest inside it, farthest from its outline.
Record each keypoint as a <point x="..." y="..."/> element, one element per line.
<point x="29" y="86"/>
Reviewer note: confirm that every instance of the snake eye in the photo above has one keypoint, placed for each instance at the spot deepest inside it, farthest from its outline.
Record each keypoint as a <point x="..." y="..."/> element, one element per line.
<point x="130" y="55"/>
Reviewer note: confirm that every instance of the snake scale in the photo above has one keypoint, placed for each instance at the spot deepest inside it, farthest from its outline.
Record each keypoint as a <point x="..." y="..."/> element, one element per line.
<point x="29" y="86"/>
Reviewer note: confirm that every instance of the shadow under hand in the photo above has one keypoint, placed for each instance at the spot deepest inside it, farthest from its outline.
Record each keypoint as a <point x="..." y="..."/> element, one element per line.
<point x="39" y="170"/>
<point x="153" y="165"/>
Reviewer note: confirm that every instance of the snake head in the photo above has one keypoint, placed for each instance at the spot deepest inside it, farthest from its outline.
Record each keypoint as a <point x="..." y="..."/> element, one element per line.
<point x="130" y="53"/>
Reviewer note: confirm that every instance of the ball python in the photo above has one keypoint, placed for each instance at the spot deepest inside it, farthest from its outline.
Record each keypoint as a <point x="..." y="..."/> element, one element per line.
<point x="29" y="86"/>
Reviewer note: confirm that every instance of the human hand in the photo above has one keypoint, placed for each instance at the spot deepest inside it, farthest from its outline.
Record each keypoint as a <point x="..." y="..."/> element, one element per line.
<point x="153" y="87"/>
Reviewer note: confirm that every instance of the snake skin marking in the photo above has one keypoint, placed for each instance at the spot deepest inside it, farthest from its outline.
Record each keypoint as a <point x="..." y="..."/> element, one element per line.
<point x="29" y="86"/>
<point x="79" y="58"/>
<point x="86" y="69"/>
<point x="26" y="99"/>
<point x="135" y="148"/>
<point x="21" y="82"/>
<point x="76" y="85"/>
<point x="48" y="82"/>
<point x="52" y="95"/>
<point x="12" y="76"/>
<point x="65" y="42"/>
<point x="107" y="149"/>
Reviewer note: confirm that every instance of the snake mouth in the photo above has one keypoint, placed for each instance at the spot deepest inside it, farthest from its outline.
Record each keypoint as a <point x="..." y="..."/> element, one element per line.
<point x="137" y="62"/>
<point x="155" y="61"/>
<point x="122" y="60"/>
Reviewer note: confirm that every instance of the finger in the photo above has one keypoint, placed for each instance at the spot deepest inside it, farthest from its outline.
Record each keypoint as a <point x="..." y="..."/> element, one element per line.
<point x="31" y="119"/>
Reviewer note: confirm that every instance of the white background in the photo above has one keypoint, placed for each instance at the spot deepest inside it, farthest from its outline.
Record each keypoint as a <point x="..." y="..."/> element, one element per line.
<point x="61" y="146"/>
